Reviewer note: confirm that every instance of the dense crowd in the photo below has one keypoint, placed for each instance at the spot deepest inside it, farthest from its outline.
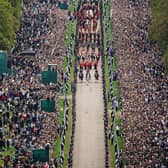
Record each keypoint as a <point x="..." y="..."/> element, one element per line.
<point x="143" y="85"/>
<point x="23" y="124"/>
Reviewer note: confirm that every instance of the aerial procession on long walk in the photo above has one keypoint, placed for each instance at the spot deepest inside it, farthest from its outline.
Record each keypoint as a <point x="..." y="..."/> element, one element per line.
<point x="89" y="138"/>
<point x="83" y="84"/>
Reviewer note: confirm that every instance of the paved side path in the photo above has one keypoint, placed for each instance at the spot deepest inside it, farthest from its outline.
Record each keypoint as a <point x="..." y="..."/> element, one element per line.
<point x="89" y="148"/>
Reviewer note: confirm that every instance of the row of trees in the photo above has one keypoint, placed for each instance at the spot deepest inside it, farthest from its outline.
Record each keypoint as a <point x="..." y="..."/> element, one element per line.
<point x="159" y="26"/>
<point x="9" y="22"/>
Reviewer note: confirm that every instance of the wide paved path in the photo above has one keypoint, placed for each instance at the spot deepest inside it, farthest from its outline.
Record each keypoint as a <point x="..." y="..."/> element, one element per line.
<point x="89" y="149"/>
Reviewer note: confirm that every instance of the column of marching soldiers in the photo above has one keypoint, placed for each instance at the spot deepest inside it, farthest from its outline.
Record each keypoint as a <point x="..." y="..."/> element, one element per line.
<point x="88" y="48"/>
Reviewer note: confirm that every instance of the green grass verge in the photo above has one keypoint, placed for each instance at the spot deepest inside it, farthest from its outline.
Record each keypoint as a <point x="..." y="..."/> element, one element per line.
<point x="57" y="147"/>
<point x="112" y="151"/>
<point x="68" y="136"/>
<point x="58" y="140"/>
<point x="61" y="114"/>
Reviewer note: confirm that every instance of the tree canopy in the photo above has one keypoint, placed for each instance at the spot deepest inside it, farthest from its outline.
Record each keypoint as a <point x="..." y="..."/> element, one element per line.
<point x="159" y="26"/>
<point x="9" y="19"/>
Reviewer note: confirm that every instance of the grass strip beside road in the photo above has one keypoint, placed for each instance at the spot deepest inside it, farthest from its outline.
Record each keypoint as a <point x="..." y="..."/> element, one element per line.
<point x="58" y="139"/>
<point x="68" y="136"/>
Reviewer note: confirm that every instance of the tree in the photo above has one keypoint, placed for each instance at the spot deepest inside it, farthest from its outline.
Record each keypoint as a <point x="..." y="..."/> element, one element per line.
<point x="16" y="4"/>
<point x="8" y="27"/>
<point x="158" y="30"/>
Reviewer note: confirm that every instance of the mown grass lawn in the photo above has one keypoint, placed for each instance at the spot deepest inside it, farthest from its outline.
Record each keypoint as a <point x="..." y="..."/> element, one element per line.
<point x="68" y="137"/>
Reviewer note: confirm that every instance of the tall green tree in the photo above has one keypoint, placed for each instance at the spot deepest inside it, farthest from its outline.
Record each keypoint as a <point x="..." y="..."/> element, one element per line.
<point x="8" y="24"/>
<point x="16" y="4"/>
<point x="159" y="28"/>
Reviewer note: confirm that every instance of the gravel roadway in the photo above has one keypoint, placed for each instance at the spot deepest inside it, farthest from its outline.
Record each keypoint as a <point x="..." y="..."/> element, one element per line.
<point x="89" y="147"/>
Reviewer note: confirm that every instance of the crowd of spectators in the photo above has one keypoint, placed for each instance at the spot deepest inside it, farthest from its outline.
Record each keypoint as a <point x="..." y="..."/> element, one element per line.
<point x="142" y="81"/>
<point x="23" y="124"/>
<point x="143" y="85"/>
